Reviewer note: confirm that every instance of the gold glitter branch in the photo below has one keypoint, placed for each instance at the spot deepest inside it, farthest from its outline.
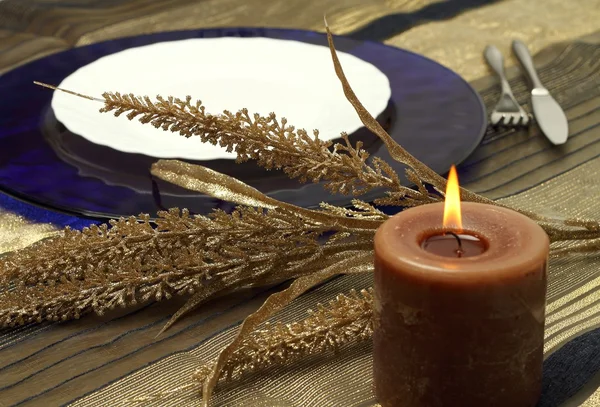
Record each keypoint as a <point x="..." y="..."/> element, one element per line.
<point x="354" y="262"/>
<point x="102" y="268"/>
<point x="346" y="319"/>
<point x="273" y="143"/>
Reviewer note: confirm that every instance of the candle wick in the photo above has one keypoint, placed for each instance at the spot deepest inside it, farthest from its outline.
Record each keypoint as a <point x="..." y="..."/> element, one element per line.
<point x="459" y="251"/>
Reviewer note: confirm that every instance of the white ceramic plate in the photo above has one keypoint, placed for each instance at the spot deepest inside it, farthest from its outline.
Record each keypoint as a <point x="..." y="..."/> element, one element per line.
<point x="264" y="75"/>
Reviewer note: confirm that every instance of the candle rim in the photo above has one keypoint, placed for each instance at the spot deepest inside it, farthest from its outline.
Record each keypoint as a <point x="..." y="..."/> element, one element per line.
<point x="496" y="262"/>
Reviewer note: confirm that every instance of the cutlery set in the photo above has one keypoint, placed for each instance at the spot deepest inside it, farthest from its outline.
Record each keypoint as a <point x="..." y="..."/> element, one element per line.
<point x="548" y="114"/>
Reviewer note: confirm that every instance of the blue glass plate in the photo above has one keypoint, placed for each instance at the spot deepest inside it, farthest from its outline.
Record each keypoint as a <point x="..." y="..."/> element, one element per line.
<point x="433" y="113"/>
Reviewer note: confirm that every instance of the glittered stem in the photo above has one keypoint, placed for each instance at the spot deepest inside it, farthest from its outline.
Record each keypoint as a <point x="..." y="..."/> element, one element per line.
<point x="198" y="178"/>
<point x="70" y="92"/>
<point x="356" y="262"/>
<point x="397" y="152"/>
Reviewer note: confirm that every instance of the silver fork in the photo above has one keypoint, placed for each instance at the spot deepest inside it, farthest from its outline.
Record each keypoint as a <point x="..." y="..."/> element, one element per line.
<point x="507" y="112"/>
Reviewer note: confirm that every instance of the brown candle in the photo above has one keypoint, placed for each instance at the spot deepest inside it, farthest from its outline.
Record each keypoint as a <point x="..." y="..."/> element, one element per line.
<point x="459" y="312"/>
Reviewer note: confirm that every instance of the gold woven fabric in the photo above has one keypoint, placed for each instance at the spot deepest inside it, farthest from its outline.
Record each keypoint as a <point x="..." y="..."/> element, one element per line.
<point x="54" y="364"/>
<point x="573" y="283"/>
<point x="323" y="380"/>
<point x="458" y="42"/>
<point x="319" y="381"/>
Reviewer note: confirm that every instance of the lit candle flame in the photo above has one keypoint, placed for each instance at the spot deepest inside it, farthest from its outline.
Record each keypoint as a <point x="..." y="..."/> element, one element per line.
<point x="452" y="215"/>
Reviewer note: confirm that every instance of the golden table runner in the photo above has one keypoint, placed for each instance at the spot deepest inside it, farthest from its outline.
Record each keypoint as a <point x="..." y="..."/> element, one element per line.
<point x="103" y="361"/>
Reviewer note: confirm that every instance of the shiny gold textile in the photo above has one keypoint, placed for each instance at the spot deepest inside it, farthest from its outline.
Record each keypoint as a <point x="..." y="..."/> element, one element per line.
<point x="325" y="380"/>
<point x="458" y="43"/>
<point x="573" y="307"/>
<point x="574" y="280"/>
<point x="456" y="40"/>
<point x="110" y="348"/>
<point x="17" y="232"/>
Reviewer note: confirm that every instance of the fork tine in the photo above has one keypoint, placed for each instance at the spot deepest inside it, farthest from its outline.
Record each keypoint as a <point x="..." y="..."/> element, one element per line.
<point x="500" y="119"/>
<point x="507" y="111"/>
<point x="495" y="119"/>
